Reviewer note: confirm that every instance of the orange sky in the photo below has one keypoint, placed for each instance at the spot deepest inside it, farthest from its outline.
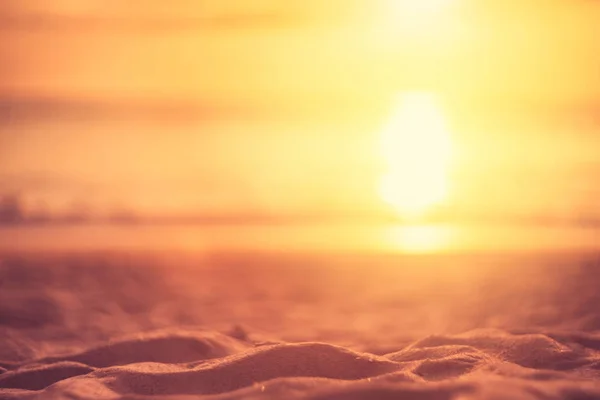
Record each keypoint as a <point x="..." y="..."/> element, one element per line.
<point x="266" y="107"/>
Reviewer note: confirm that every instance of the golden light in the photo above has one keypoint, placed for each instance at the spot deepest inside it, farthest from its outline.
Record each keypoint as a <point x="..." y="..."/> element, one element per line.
<point x="416" y="148"/>
<point x="412" y="7"/>
<point x="417" y="17"/>
<point x="418" y="239"/>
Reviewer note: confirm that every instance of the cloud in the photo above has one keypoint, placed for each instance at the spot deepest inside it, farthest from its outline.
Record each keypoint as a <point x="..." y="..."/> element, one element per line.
<point x="150" y="16"/>
<point x="11" y="209"/>
<point x="16" y="109"/>
<point x="88" y="23"/>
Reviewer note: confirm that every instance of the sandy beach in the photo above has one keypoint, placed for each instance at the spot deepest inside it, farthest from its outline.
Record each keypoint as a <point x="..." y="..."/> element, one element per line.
<point x="259" y="326"/>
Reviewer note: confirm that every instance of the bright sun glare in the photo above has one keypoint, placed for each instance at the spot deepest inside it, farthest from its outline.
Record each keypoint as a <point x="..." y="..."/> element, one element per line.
<point x="416" y="17"/>
<point x="417" y="6"/>
<point x="416" y="148"/>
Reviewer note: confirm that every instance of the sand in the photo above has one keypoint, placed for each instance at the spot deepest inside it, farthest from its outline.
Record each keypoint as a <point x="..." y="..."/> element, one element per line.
<point x="133" y="326"/>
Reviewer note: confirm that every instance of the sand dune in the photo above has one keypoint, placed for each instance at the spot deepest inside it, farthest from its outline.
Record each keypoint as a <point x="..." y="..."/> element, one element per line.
<point x="160" y="347"/>
<point x="472" y="364"/>
<point x="128" y="328"/>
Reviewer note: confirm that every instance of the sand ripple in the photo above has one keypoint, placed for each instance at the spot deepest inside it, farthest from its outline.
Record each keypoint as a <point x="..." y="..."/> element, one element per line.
<point x="477" y="364"/>
<point x="99" y="328"/>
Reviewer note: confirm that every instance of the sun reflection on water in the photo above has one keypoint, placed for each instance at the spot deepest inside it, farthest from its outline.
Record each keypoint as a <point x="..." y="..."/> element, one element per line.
<point x="419" y="238"/>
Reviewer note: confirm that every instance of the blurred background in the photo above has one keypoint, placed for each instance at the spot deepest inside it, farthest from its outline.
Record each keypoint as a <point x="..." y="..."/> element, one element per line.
<point x="386" y="124"/>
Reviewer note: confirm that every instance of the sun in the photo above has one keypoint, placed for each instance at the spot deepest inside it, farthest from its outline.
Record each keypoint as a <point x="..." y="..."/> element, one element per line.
<point x="420" y="7"/>
<point x="416" y="148"/>
<point x="415" y="19"/>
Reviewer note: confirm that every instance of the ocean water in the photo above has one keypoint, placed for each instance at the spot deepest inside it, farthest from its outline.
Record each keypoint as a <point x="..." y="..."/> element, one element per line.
<point x="301" y="238"/>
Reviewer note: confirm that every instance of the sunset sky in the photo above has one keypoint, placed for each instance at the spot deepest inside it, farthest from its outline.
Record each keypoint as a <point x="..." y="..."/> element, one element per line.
<point x="277" y="108"/>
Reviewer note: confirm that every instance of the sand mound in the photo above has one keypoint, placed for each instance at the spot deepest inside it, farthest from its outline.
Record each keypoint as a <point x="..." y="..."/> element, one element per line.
<point x="160" y="347"/>
<point x="37" y="377"/>
<point x="471" y="365"/>
<point x="528" y="350"/>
